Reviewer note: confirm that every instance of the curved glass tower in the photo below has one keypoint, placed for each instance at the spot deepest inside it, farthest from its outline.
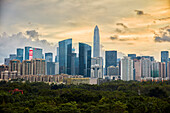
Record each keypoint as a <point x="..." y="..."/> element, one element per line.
<point x="96" y="43"/>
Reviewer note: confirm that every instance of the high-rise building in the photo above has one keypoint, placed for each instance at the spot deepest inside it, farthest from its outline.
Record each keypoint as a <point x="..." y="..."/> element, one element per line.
<point x="126" y="69"/>
<point x="6" y="61"/>
<point x="15" y="65"/>
<point x="56" y="68"/>
<point x="97" y="67"/>
<point x="145" y="67"/>
<point x="84" y="59"/>
<point x="168" y="70"/>
<point x="50" y="68"/>
<point x="164" y="56"/>
<point x="154" y="69"/>
<point x="65" y="53"/>
<point x="112" y="70"/>
<point x="27" y="67"/>
<point x="73" y="64"/>
<point x="137" y="67"/>
<point x="37" y="53"/>
<point x="162" y="69"/>
<point x="38" y="66"/>
<point x="49" y="57"/>
<point x="96" y="43"/>
<point x="110" y="59"/>
<point x="20" y="54"/>
<point x="3" y="68"/>
<point x="12" y="56"/>
<point x="27" y="52"/>
<point x="132" y="56"/>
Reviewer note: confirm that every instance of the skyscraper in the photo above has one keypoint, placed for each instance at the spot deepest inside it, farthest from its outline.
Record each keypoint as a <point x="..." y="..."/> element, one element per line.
<point x="97" y="67"/>
<point x="20" y="54"/>
<point x="12" y="56"/>
<point x="96" y="43"/>
<point x="126" y="69"/>
<point x="27" y="52"/>
<point x="84" y="59"/>
<point x="132" y="56"/>
<point x="26" y="67"/>
<point x="50" y="68"/>
<point x="65" y="53"/>
<point x="164" y="56"/>
<point x="37" y="53"/>
<point x="145" y="67"/>
<point x="110" y="59"/>
<point x="49" y="57"/>
<point x="38" y="66"/>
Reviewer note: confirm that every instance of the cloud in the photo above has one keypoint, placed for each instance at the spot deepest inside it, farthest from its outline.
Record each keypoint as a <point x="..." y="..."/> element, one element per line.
<point x="164" y="19"/>
<point x="32" y="34"/>
<point x="139" y="12"/>
<point x="115" y="37"/>
<point x="121" y="24"/>
<point x="164" y="35"/>
<point x="9" y="43"/>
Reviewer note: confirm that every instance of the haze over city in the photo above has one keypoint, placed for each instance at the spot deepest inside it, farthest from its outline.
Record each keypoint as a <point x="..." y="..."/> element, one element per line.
<point x="128" y="26"/>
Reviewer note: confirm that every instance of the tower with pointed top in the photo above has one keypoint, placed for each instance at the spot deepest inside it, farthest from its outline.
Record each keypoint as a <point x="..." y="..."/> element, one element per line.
<point x="96" y="43"/>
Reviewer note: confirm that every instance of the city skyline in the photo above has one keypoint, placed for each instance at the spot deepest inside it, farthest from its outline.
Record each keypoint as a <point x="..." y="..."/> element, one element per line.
<point x="141" y="28"/>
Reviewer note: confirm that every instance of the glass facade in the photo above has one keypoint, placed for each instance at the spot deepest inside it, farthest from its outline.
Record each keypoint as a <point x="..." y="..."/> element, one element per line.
<point x="110" y="59"/>
<point x="84" y="60"/>
<point x="20" y="54"/>
<point x="37" y="53"/>
<point x="27" y="53"/>
<point x="49" y="57"/>
<point x="50" y="68"/>
<point x="65" y="54"/>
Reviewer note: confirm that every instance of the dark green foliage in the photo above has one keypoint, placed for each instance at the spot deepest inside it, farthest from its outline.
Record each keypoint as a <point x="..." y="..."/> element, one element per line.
<point x="110" y="97"/>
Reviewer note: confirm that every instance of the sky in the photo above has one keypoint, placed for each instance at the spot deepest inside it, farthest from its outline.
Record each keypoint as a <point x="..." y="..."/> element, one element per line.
<point x="128" y="26"/>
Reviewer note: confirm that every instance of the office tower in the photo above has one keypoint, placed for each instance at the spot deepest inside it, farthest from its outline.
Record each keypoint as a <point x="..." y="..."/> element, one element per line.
<point x="50" y="68"/>
<point x="126" y="69"/>
<point x="6" y="61"/>
<point x="20" y="54"/>
<point x="96" y="43"/>
<point x="37" y="53"/>
<point x="162" y="69"/>
<point x="12" y="56"/>
<point x="154" y="69"/>
<point x="137" y="67"/>
<point x="38" y="66"/>
<point x="97" y="67"/>
<point x="110" y="59"/>
<point x="132" y="56"/>
<point x="65" y="52"/>
<point x="73" y="64"/>
<point x="49" y="57"/>
<point x="112" y="70"/>
<point x="84" y="59"/>
<point x="57" y="54"/>
<point x="56" y="68"/>
<point x="168" y="70"/>
<point x="15" y="65"/>
<point x="27" y="52"/>
<point x="77" y="66"/>
<point x="164" y="56"/>
<point x="56" y="59"/>
<point x="26" y="67"/>
<point x="145" y="67"/>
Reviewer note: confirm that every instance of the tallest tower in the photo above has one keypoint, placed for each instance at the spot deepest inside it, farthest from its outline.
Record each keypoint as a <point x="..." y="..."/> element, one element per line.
<point x="96" y="43"/>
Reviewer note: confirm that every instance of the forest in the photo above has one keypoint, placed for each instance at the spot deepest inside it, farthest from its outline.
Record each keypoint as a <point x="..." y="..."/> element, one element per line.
<point x="110" y="97"/>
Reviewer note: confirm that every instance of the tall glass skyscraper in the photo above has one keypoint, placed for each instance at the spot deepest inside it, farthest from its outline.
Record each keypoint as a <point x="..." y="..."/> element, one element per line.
<point x="37" y="53"/>
<point x="84" y="60"/>
<point x="49" y="57"/>
<point x="165" y="58"/>
<point x="110" y="59"/>
<point x="20" y="54"/>
<point x="96" y="43"/>
<point x="27" y="52"/>
<point x="132" y="56"/>
<point x="65" y="54"/>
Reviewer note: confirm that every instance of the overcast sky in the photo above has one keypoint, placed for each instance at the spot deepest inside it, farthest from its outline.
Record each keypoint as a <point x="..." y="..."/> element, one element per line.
<point x="128" y="26"/>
